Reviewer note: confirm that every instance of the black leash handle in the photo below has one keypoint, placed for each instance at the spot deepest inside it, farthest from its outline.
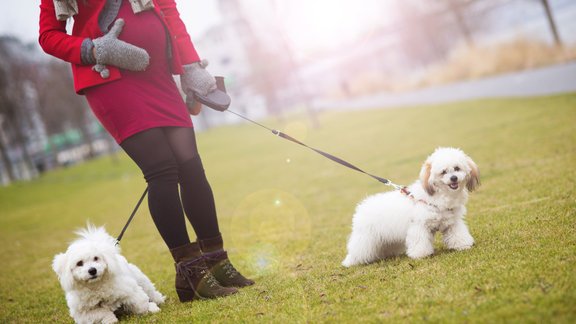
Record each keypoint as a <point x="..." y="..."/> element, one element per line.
<point x="132" y="216"/>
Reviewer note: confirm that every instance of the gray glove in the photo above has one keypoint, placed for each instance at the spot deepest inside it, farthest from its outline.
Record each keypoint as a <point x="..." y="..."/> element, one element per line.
<point x="109" y="50"/>
<point x="196" y="80"/>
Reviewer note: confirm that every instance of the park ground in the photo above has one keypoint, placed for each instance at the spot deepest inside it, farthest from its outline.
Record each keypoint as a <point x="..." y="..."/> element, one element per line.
<point x="285" y="213"/>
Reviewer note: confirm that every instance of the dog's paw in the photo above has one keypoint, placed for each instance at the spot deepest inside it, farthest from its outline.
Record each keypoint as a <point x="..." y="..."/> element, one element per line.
<point x="463" y="246"/>
<point x="419" y="253"/>
<point x="347" y="262"/>
<point x="109" y="319"/>
<point x="158" y="298"/>
<point x="463" y="242"/>
<point x="153" y="308"/>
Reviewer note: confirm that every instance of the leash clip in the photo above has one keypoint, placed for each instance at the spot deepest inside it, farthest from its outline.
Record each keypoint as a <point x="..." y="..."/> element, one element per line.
<point x="395" y="186"/>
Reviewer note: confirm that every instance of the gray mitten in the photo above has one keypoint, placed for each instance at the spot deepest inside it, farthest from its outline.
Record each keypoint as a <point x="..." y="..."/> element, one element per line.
<point x="109" y="50"/>
<point x="196" y="80"/>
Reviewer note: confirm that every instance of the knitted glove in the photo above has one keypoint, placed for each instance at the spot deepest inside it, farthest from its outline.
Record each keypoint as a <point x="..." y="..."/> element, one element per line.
<point x="109" y="50"/>
<point x="196" y="80"/>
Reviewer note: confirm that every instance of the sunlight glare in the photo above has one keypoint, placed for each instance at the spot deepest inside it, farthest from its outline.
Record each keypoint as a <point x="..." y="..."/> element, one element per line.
<point x="312" y="25"/>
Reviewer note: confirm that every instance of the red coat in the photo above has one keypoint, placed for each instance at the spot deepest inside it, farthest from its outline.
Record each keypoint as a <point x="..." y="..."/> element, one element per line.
<point x="55" y="41"/>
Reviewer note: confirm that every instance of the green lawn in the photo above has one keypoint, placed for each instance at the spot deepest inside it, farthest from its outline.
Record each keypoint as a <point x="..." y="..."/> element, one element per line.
<point x="286" y="212"/>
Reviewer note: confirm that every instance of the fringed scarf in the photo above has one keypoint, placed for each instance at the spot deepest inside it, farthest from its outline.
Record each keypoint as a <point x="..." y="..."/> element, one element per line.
<point x="68" y="8"/>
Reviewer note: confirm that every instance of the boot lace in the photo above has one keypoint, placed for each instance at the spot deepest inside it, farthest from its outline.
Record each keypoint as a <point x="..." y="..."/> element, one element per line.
<point x="195" y="269"/>
<point x="227" y="266"/>
<point x="229" y="269"/>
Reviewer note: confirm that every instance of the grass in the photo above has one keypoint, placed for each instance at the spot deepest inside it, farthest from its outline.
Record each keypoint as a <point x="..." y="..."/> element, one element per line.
<point x="286" y="213"/>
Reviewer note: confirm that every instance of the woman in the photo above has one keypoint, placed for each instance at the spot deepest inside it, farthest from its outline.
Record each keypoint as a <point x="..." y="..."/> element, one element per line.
<point x="123" y="54"/>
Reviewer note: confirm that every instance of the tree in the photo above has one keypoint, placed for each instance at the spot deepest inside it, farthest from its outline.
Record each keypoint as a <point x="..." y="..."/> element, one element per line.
<point x="60" y="107"/>
<point x="14" y="77"/>
<point x="457" y="8"/>
<point x="551" y="22"/>
<point x="36" y="99"/>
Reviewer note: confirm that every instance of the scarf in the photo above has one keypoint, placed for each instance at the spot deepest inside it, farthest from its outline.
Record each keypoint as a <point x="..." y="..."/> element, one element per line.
<point x="68" y="8"/>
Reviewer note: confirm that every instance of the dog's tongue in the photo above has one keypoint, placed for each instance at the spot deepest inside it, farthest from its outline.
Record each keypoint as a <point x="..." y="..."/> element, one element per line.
<point x="453" y="186"/>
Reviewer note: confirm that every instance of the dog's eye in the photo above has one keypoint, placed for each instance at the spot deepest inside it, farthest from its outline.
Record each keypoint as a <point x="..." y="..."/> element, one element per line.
<point x="95" y="258"/>
<point x="443" y="172"/>
<point x="79" y="263"/>
<point x="456" y="168"/>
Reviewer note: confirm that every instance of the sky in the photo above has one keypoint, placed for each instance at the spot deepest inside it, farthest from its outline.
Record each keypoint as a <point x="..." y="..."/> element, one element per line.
<point x="20" y="17"/>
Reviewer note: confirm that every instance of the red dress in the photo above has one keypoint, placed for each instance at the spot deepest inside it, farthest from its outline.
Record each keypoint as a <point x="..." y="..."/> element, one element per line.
<point x="140" y="100"/>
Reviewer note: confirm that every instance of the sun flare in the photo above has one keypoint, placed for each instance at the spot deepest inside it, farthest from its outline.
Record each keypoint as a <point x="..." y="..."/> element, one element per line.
<point x="317" y="24"/>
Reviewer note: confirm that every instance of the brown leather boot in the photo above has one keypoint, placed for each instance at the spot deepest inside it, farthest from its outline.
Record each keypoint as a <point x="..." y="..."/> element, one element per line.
<point x="193" y="279"/>
<point x="219" y="264"/>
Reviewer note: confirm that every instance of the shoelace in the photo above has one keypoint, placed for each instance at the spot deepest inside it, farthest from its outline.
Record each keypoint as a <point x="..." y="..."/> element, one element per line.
<point x="222" y="256"/>
<point x="230" y="270"/>
<point x="210" y="279"/>
<point x="189" y="269"/>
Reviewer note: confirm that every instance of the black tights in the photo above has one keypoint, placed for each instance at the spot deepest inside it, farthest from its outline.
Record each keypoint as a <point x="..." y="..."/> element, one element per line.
<point x="167" y="157"/>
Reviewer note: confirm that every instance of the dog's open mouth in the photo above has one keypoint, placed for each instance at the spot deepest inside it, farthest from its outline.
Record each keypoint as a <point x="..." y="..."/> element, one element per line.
<point x="453" y="185"/>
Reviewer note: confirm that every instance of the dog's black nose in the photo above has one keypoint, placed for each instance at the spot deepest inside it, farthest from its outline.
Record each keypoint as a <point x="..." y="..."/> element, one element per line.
<point x="453" y="178"/>
<point x="92" y="271"/>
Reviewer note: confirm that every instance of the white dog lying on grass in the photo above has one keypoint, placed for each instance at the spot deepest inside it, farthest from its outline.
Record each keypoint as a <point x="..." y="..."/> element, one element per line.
<point x="98" y="280"/>
<point x="389" y="224"/>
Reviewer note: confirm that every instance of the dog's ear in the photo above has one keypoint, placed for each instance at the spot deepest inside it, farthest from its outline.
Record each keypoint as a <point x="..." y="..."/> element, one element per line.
<point x="110" y="257"/>
<point x="474" y="181"/>
<point x="425" y="178"/>
<point x="59" y="263"/>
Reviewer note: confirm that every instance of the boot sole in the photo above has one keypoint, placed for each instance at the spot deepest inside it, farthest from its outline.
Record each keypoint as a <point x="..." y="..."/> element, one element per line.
<point x="239" y="285"/>
<point x="190" y="295"/>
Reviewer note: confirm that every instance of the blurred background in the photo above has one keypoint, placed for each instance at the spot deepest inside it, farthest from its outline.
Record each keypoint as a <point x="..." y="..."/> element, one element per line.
<point x="283" y="57"/>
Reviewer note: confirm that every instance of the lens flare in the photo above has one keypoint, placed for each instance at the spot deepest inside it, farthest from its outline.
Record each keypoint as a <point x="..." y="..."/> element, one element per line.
<point x="272" y="218"/>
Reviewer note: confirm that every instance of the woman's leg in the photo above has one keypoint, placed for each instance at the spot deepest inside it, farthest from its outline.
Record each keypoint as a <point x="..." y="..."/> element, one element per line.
<point x="150" y="151"/>
<point x="195" y="191"/>
<point x="153" y="154"/>
<point x="198" y="202"/>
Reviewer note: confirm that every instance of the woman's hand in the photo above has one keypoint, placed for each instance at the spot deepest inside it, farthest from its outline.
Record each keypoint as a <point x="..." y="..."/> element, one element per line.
<point x="194" y="106"/>
<point x="197" y="80"/>
<point x="199" y="85"/>
<point x="109" y="50"/>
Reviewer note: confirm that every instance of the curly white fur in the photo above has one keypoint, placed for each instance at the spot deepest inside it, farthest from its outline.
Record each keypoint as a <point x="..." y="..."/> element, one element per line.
<point x="98" y="280"/>
<point x="392" y="223"/>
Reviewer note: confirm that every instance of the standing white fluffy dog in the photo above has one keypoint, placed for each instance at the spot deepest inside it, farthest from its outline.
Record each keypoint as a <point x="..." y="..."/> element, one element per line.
<point x="405" y="221"/>
<point x="98" y="280"/>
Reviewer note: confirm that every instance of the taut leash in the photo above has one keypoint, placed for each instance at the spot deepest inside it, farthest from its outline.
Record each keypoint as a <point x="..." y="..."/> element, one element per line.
<point x="327" y="155"/>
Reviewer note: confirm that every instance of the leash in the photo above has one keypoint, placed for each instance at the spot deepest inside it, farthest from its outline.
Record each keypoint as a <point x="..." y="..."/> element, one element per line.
<point x="221" y="87"/>
<point x="327" y="155"/>
<point x="131" y="216"/>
